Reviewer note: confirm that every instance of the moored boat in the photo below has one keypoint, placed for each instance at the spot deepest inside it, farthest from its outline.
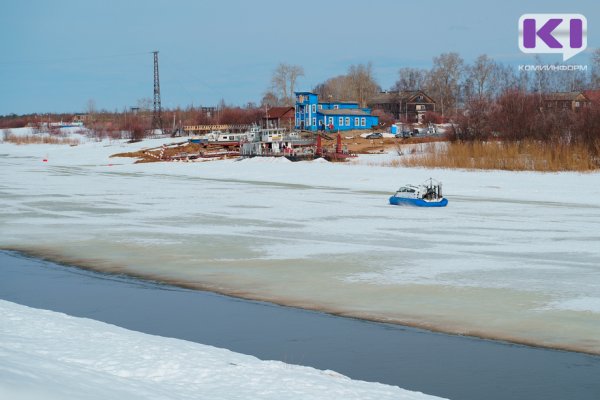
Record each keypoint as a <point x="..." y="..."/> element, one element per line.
<point x="425" y="195"/>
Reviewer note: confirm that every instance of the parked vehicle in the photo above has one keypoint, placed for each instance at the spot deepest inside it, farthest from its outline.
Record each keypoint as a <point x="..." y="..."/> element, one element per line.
<point x="375" y="135"/>
<point x="402" y="135"/>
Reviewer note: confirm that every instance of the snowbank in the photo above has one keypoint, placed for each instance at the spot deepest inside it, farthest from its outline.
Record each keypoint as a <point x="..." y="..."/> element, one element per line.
<point x="48" y="355"/>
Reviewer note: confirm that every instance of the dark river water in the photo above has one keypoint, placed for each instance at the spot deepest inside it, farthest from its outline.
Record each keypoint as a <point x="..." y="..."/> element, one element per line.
<point x="449" y="366"/>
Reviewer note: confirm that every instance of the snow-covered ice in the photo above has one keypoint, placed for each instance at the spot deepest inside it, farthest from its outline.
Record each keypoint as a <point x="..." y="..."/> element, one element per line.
<point x="513" y="256"/>
<point x="49" y="355"/>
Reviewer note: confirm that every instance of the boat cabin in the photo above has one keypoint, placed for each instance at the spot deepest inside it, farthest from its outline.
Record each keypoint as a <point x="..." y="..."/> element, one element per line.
<point x="410" y="191"/>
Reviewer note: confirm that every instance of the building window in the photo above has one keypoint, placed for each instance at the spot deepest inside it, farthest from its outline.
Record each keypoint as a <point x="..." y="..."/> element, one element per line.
<point x="335" y="106"/>
<point x="347" y="121"/>
<point x="320" y="106"/>
<point x="576" y="104"/>
<point x="330" y="120"/>
<point x="363" y="121"/>
<point x="314" y="108"/>
<point x="314" y="121"/>
<point x="341" y="121"/>
<point x="356" y="121"/>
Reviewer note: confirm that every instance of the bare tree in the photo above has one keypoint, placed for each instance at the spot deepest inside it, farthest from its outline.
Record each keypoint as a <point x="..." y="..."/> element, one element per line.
<point x="541" y="78"/>
<point x="482" y="76"/>
<point x="445" y="79"/>
<point x="284" y="80"/>
<point x="91" y="110"/>
<point x="269" y="99"/>
<point x="566" y="81"/>
<point x="145" y="104"/>
<point x="363" y="84"/>
<point x="335" y="89"/>
<point x="410" y="79"/>
<point x="505" y="79"/>
<point x="358" y="85"/>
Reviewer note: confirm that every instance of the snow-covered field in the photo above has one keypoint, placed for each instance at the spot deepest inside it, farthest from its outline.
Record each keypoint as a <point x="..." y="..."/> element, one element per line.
<point x="513" y="256"/>
<point x="48" y="355"/>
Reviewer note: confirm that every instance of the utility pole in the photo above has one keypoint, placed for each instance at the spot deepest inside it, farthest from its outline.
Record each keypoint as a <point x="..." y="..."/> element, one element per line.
<point x="157" y="122"/>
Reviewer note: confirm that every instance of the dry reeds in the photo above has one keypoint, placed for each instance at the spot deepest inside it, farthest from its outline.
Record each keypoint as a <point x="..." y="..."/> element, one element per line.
<point x="524" y="155"/>
<point x="39" y="139"/>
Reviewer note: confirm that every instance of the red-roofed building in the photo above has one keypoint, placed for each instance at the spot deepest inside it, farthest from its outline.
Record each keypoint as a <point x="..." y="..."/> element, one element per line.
<point x="279" y="117"/>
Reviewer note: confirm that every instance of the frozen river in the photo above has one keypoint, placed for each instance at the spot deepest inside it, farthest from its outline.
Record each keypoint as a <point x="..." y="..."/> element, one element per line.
<point x="514" y="256"/>
<point x="448" y="366"/>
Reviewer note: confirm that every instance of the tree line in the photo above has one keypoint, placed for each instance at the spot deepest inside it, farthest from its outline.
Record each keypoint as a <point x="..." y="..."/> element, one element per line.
<point x="450" y="81"/>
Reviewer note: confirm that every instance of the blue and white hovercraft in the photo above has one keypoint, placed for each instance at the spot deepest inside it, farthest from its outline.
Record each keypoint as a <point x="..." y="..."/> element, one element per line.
<point x="428" y="194"/>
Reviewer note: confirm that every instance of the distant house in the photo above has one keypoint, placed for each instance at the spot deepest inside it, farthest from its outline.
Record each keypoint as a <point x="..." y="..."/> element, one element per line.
<point x="593" y="95"/>
<point x="80" y="118"/>
<point x="327" y="116"/>
<point x="408" y="105"/>
<point x="573" y="101"/>
<point x="208" y="111"/>
<point x="279" y="117"/>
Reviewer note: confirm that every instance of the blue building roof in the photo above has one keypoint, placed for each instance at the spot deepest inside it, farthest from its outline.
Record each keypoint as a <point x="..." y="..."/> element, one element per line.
<point x="345" y="111"/>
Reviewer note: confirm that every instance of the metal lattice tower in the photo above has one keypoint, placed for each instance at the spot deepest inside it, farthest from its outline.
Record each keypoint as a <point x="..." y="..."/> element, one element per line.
<point x="157" y="122"/>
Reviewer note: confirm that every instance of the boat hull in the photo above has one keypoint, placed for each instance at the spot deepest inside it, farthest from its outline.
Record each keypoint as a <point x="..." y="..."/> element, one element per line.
<point x="401" y="201"/>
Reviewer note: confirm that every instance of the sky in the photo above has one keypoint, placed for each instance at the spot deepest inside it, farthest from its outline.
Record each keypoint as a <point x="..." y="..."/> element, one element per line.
<point x="59" y="55"/>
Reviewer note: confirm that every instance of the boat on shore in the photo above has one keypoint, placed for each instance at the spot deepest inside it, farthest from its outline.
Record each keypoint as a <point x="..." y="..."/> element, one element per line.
<point x="428" y="194"/>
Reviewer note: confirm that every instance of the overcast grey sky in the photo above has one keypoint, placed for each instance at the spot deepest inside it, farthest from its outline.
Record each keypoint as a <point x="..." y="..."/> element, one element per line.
<point x="56" y="55"/>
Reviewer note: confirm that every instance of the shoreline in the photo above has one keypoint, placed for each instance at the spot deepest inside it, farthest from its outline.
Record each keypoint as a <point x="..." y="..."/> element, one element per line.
<point x="116" y="270"/>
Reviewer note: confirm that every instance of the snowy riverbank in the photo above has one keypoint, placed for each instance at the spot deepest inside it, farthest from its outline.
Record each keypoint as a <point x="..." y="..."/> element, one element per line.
<point x="54" y="356"/>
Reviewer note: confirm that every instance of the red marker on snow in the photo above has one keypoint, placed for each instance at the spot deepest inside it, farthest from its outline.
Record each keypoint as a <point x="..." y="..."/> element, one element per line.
<point x="45" y="160"/>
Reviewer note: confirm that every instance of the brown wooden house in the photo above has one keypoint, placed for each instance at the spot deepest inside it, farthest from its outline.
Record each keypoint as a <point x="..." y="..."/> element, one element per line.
<point x="573" y="101"/>
<point x="279" y="117"/>
<point x="407" y="105"/>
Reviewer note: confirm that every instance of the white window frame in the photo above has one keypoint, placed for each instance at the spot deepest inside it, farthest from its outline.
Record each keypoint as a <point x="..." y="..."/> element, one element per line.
<point x="347" y="121"/>
<point x="335" y="106"/>
<point x="314" y="121"/>
<point x="363" y="121"/>
<point x="341" y="121"/>
<point x="314" y="108"/>
<point x="330" y="120"/>
<point x="356" y="121"/>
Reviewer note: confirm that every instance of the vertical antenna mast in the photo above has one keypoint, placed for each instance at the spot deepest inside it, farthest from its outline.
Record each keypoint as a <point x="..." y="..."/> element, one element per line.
<point x="156" y="116"/>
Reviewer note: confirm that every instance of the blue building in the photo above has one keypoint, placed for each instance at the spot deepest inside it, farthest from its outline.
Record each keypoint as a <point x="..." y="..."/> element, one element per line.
<point x="313" y="115"/>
